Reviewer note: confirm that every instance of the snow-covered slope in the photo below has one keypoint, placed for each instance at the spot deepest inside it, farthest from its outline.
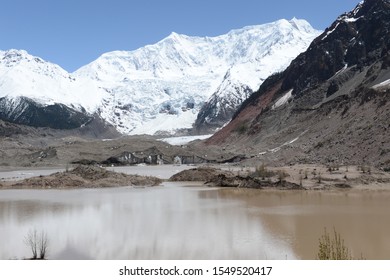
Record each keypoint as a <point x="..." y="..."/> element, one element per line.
<point x="160" y="88"/>
<point x="276" y="45"/>
<point x="38" y="93"/>
<point x="24" y="75"/>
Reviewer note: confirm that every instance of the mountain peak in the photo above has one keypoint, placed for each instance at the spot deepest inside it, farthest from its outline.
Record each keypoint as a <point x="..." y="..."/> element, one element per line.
<point x="301" y="24"/>
<point x="163" y="86"/>
<point x="358" y="38"/>
<point x="363" y="8"/>
<point x="13" y="56"/>
<point x="175" y="35"/>
<point x="15" y="52"/>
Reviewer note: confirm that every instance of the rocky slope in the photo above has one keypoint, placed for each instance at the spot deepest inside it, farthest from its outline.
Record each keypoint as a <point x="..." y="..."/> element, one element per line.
<point x="330" y="105"/>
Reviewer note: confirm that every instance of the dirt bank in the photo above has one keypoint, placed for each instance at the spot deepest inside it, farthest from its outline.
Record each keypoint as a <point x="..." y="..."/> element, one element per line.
<point x="199" y="174"/>
<point x="307" y="177"/>
<point x="82" y="177"/>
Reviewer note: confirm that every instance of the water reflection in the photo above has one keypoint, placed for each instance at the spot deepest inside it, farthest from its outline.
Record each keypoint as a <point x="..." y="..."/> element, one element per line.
<point x="362" y="218"/>
<point x="170" y="222"/>
<point x="176" y="221"/>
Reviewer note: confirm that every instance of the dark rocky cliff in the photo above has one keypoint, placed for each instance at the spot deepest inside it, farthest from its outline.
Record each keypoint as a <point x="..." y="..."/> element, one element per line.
<point x="28" y="112"/>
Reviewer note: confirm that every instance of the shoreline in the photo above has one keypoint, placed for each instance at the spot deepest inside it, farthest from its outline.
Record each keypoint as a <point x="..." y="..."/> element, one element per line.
<point x="301" y="177"/>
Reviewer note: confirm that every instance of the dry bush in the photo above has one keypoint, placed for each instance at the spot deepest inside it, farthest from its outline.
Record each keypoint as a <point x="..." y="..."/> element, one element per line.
<point x="332" y="247"/>
<point x="37" y="243"/>
<point x="262" y="172"/>
<point x="282" y="175"/>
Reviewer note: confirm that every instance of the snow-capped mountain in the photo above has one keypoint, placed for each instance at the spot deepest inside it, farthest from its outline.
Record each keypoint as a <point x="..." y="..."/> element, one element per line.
<point x="159" y="88"/>
<point x="220" y="107"/>
<point x="331" y="104"/>
<point x="38" y="93"/>
<point x="22" y="74"/>
<point x="277" y="44"/>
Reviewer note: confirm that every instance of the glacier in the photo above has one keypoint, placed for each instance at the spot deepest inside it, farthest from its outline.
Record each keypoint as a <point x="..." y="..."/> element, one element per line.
<point x="161" y="88"/>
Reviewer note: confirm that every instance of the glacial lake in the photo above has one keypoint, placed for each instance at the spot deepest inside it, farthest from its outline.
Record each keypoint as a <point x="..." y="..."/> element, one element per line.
<point x="191" y="221"/>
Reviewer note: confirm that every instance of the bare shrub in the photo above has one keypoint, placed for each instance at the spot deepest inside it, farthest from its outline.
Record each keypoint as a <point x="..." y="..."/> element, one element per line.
<point x="262" y="172"/>
<point x="37" y="243"/>
<point x="31" y="240"/>
<point x="282" y="175"/>
<point x="43" y="245"/>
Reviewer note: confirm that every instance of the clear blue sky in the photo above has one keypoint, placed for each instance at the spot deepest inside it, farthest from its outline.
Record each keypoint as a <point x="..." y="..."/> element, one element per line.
<point x="73" y="33"/>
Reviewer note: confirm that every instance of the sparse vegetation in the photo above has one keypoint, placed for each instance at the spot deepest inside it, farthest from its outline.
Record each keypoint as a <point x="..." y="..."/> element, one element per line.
<point x="282" y="176"/>
<point x="365" y="169"/>
<point x="262" y="172"/>
<point x="333" y="167"/>
<point x="319" y="178"/>
<point x="242" y="128"/>
<point x="332" y="247"/>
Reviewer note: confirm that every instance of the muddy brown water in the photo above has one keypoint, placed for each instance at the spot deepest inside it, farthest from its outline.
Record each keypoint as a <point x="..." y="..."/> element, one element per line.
<point x="192" y="221"/>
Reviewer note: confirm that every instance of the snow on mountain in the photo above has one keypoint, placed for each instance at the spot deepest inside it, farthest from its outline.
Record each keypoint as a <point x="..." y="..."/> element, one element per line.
<point x="23" y="75"/>
<point x="160" y="88"/>
<point x="283" y="42"/>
